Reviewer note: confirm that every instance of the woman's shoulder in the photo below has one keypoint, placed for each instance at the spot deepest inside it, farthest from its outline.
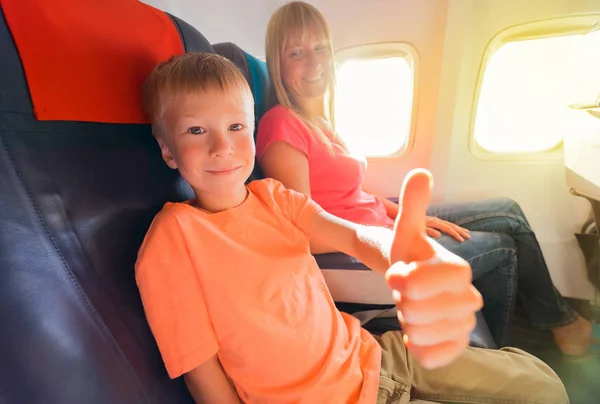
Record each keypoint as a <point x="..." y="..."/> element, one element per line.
<point x="280" y="121"/>
<point x="282" y="124"/>
<point x="279" y="112"/>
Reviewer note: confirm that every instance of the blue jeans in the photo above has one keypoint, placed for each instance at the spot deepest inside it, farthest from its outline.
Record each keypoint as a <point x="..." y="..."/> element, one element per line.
<point x="503" y="252"/>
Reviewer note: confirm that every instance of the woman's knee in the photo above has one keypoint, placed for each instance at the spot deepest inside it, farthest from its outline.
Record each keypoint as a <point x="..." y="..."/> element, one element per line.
<point x="510" y="213"/>
<point x="507" y="205"/>
<point x="488" y="251"/>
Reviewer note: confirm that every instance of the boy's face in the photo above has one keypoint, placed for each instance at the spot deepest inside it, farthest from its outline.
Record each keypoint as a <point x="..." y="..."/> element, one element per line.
<point x="209" y="138"/>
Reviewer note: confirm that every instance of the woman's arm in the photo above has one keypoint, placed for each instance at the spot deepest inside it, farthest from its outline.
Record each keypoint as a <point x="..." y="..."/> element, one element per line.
<point x="208" y="384"/>
<point x="391" y="208"/>
<point x="287" y="165"/>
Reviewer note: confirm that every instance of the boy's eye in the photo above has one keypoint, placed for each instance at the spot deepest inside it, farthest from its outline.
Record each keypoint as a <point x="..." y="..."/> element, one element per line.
<point x="196" y="130"/>
<point x="236" y="127"/>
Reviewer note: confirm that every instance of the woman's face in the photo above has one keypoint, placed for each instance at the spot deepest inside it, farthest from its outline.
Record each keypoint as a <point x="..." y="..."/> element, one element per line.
<point x="306" y="66"/>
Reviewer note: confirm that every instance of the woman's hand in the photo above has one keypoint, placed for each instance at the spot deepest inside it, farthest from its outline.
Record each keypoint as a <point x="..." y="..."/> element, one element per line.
<point x="436" y="226"/>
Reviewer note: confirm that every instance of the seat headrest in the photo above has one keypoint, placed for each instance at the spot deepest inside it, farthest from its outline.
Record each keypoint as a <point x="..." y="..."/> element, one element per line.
<point x="255" y="71"/>
<point x="88" y="64"/>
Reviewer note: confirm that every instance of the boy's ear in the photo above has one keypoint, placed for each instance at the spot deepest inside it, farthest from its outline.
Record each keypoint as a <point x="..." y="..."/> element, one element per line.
<point x="166" y="153"/>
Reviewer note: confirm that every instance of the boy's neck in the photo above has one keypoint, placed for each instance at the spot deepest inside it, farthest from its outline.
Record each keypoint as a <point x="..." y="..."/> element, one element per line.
<point x="219" y="203"/>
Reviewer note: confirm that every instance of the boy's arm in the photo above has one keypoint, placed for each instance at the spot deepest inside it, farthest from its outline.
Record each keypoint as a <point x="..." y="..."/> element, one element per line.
<point x="371" y="245"/>
<point x="435" y="226"/>
<point x="431" y="287"/>
<point x="208" y="384"/>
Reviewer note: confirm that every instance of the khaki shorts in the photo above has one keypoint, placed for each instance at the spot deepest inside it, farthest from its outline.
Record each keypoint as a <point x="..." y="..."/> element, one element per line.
<point x="506" y="376"/>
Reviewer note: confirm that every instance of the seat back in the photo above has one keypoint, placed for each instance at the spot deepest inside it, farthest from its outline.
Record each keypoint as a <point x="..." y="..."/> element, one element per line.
<point x="76" y="200"/>
<point x="255" y="71"/>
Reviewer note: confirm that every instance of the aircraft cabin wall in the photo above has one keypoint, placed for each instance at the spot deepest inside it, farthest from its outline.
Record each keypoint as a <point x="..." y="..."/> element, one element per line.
<point x="441" y="49"/>
<point x="536" y="179"/>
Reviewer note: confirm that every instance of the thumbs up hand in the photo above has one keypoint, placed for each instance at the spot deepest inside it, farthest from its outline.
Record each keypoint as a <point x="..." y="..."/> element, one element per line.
<point x="431" y="286"/>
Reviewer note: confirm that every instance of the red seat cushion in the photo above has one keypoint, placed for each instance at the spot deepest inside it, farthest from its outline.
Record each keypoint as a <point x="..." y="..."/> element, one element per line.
<point x="86" y="60"/>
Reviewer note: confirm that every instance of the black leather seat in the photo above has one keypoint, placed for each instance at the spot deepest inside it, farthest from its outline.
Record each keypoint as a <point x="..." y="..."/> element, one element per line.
<point x="75" y="202"/>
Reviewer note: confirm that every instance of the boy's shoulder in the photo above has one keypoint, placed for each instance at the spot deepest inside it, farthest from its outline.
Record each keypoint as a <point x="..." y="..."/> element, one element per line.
<point x="168" y="221"/>
<point x="280" y="200"/>
<point x="268" y="185"/>
<point x="164" y="238"/>
<point x="269" y="188"/>
<point x="170" y="212"/>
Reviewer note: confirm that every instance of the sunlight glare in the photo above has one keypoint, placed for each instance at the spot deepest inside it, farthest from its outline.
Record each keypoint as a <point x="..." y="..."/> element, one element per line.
<point x="374" y="104"/>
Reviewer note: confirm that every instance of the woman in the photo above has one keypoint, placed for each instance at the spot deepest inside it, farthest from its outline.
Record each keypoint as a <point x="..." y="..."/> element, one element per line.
<point x="297" y="145"/>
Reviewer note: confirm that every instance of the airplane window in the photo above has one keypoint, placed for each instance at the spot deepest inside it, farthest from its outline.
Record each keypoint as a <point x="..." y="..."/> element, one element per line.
<point x="374" y="102"/>
<point x="526" y="90"/>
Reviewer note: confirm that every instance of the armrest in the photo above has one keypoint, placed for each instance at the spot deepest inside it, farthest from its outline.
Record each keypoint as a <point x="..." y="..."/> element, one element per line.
<point x="481" y="337"/>
<point x="339" y="261"/>
<point x="353" y="285"/>
<point x="350" y="281"/>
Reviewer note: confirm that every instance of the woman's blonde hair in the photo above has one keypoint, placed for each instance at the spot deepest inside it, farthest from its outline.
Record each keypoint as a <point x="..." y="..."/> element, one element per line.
<point x="185" y="75"/>
<point x="290" y="19"/>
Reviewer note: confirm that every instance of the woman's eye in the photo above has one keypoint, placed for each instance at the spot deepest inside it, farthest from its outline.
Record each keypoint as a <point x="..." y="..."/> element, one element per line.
<point x="196" y="130"/>
<point x="296" y="53"/>
<point x="236" y="127"/>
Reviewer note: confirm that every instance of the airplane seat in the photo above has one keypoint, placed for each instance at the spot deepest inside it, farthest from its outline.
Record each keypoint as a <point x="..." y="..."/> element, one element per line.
<point x="255" y="71"/>
<point x="583" y="179"/>
<point x="354" y="287"/>
<point x="77" y="194"/>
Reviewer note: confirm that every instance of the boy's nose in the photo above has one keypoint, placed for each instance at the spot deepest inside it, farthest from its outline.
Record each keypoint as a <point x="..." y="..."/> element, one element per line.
<point x="221" y="145"/>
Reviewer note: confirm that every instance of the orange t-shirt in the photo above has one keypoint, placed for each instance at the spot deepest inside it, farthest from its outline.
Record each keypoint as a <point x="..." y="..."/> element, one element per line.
<point x="335" y="180"/>
<point x="242" y="284"/>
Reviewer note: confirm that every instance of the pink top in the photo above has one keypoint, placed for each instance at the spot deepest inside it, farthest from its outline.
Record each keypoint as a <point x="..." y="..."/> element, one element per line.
<point x="335" y="180"/>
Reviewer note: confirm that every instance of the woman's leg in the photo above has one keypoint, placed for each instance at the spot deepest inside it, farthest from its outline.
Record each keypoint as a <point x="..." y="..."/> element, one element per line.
<point x="493" y="260"/>
<point x="542" y="301"/>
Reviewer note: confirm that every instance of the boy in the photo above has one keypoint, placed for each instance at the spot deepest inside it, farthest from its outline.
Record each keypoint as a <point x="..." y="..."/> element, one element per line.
<point x="238" y="305"/>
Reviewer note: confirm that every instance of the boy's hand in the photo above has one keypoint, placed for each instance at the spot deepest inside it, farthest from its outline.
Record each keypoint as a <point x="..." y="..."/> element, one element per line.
<point x="432" y="287"/>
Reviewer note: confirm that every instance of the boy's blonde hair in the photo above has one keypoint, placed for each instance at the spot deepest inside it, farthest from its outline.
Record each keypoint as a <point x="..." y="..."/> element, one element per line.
<point x="186" y="75"/>
<point x="290" y="19"/>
